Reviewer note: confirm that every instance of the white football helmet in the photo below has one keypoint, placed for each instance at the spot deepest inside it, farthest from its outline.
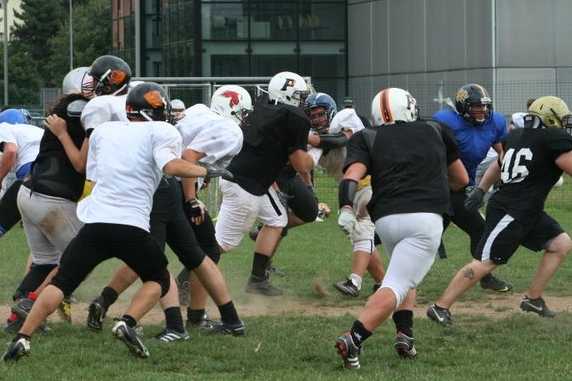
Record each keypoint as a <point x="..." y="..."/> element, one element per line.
<point x="73" y="80"/>
<point x="288" y="88"/>
<point x="177" y="105"/>
<point x="231" y="101"/>
<point x="392" y="105"/>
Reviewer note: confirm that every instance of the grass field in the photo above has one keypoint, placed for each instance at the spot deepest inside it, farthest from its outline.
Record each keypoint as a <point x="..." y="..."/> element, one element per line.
<point x="510" y="346"/>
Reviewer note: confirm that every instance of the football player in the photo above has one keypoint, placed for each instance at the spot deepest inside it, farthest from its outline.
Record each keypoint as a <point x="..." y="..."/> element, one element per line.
<point x="365" y="256"/>
<point x="208" y="139"/>
<point x="47" y="201"/>
<point x="407" y="206"/>
<point x="119" y="229"/>
<point x="532" y="160"/>
<point x="476" y="128"/>
<point x="275" y="133"/>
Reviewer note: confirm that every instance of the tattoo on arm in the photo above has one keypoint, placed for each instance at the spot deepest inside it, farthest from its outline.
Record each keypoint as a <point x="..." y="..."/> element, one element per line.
<point x="469" y="273"/>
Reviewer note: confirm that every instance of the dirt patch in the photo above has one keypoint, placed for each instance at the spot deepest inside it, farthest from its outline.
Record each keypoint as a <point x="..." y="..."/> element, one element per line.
<point x="495" y="307"/>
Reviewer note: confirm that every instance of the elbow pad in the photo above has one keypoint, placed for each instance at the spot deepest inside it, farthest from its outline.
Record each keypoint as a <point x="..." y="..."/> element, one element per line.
<point x="332" y="141"/>
<point x="347" y="192"/>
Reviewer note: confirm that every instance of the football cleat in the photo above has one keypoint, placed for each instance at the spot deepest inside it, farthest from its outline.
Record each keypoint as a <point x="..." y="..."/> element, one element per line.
<point x="347" y="287"/>
<point x="234" y="329"/>
<point x="204" y="323"/>
<point x="130" y="338"/>
<point x="538" y="306"/>
<point x="348" y="351"/>
<point x="262" y="286"/>
<point x="404" y="346"/>
<point x="170" y="335"/>
<point x="96" y="314"/>
<point x="17" y="349"/>
<point x="490" y="282"/>
<point x="439" y="315"/>
<point x="64" y="310"/>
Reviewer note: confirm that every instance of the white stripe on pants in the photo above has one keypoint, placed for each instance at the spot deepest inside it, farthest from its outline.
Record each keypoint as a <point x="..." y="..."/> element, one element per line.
<point x="411" y="241"/>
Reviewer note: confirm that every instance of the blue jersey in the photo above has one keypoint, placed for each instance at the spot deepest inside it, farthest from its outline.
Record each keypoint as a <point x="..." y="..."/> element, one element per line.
<point x="474" y="140"/>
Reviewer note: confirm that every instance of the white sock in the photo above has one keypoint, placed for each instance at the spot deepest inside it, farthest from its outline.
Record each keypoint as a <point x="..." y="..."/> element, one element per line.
<point x="356" y="280"/>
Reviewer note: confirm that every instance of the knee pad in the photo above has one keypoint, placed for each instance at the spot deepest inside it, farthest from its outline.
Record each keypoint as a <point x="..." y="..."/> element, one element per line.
<point x="365" y="245"/>
<point x="363" y="230"/>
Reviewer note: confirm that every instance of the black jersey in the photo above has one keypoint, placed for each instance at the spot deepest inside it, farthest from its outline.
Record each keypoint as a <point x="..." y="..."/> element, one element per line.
<point x="53" y="173"/>
<point x="271" y="134"/>
<point x="408" y="164"/>
<point x="529" y="170"/>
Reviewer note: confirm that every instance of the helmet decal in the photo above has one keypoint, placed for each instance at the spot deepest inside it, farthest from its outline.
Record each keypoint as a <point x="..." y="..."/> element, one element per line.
<point x="288" y="83"/>
<point x="234" y="97"/>
<point x="154" y="98"/>
<point x="385" y="109"/>
<point x="117" y="77"/>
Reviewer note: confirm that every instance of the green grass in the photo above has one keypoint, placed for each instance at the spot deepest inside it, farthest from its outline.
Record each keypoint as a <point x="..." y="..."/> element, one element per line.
<point x="290" y="346"/>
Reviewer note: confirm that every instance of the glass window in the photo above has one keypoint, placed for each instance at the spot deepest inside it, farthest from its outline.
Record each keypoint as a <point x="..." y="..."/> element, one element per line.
<point x="229" y="65"/>
<point x="322" y="21"/>
<point x="224" y="21"/>
<point x="273" y="20"/>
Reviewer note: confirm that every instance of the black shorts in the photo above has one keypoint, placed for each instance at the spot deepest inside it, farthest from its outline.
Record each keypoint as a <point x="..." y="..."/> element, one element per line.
<point x="9" y="213"/>
<point x="204" y="232"/>
<point x="98" y="242"/>
<point x="170" y="225"/>
<point x="503" y="235"/>
<point x="302" y="201"/>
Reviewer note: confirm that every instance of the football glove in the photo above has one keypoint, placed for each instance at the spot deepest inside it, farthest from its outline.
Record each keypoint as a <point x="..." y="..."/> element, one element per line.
<point x="347" y="220"/>
<point x="474" y="199"/>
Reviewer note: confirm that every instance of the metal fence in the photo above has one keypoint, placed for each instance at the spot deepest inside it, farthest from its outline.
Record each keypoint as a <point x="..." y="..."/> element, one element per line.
<point x="508" y="97"/>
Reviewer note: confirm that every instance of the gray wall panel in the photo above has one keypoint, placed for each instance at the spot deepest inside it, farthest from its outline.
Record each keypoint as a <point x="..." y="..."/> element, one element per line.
<point x="361" y="91"/>
<point x="525" y="33"/>
<point x="479" y="33"/>
<point x="359" y="40"/>
<point x="563" y="32"/>
<point x="380" y="37"/>
<point x="407" y="36"/>
<point x="445" y="34"/>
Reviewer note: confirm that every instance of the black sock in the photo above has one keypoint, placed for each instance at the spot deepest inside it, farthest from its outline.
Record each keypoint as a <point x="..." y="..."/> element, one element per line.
<point x="403" y="320"/>
<point x="195" y="315"/>
<point x="359" y="333"/>
<point x="228" y="313"/>
<point x="174" y="319"/>
<point x="131" y="322"/>
<point x="259" y="265"/>
<point x="109" y="296"/>
<point x="21" y="335"/>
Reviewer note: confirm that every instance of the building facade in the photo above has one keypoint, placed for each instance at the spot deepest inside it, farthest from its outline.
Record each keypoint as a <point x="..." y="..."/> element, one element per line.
<point x="517" y="49"/>
<point x="236" y="38"/>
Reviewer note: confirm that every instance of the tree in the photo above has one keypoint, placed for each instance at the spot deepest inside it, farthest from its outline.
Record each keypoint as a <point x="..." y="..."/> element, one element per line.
<point x="37" y="22"/>
<point x="91" y="34"/>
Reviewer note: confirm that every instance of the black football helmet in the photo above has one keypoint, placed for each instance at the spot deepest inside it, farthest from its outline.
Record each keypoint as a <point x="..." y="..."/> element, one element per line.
<point x="148" y="101"/>
<point x="470" y="95"/>
<point x="108" y="75"/>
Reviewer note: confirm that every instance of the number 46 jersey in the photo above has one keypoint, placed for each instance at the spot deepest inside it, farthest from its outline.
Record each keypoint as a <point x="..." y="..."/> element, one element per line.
<point x="529" y="171"/>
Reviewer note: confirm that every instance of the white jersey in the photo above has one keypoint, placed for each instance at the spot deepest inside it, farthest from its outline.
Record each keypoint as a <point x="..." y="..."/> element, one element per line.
<point x="203" y="130"/>
<point x="26" y="137"/>
<point x="104" y="108"/>
<point x="126" y="160"/>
